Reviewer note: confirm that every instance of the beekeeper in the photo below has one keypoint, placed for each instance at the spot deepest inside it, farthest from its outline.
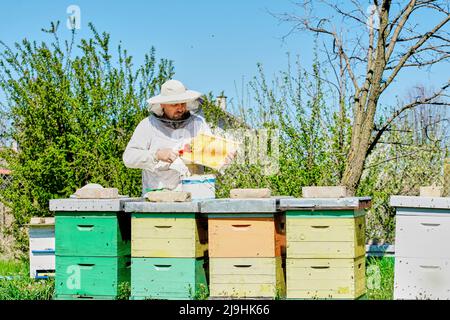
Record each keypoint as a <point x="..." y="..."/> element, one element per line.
<point x="156" y="140"/>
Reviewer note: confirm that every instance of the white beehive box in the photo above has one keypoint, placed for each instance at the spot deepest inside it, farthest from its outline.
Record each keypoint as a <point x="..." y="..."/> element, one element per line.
<point x="42" y="247"/>
<point x="422" y="247"/>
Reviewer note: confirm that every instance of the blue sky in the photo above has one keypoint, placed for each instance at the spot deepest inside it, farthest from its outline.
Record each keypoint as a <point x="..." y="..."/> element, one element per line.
<point x="214" y="44"/>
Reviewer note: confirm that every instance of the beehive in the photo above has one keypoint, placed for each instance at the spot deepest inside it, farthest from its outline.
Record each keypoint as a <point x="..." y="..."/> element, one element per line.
<point x="41" y="232"/>
<point x="325" y="254"/>
<point x="422" y="250"/>
<point x="169" y="242"/>
<point x="246" y="243"/>
<point x="93" y="246"/>
<point x="168" y="278"/>
<point x="247" y="277"/>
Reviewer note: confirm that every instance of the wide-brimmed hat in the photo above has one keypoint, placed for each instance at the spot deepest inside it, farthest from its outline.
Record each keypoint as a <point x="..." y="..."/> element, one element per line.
<point x="173" y="91"/>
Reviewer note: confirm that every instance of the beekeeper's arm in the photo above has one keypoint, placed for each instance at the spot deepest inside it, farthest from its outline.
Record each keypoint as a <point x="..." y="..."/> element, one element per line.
<point x="139" y="154"/>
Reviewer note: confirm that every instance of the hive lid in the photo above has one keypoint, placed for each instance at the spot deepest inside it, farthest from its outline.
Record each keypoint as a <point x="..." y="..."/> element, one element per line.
<point x="41" y="221"/>
<point x="162" y="207"/>
<point x="420" y="202"/>
<point x="325" y="203"/>
<point x="263" y="205"/>
<point x="104" y="205"/>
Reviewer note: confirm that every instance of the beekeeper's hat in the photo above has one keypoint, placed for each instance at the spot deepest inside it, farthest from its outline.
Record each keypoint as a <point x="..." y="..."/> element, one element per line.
<point x="173" y="91"/>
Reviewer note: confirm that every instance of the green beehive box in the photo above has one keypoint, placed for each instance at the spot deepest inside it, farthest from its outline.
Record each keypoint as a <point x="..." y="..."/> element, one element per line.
<point x="92" y="234"/>
<point x="90" y="277"/>
<point x="92" y="227"/>
<point x="168" y="278"/>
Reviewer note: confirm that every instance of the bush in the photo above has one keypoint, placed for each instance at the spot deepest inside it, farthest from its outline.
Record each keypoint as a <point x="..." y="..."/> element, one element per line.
<point x="71" y="116"/>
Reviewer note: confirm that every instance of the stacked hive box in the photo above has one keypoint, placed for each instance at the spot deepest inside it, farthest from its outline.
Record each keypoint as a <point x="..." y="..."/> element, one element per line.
<point x="92" y="247"/>
<point x="169" y="242"/>
<point x="325" y="255"/>
<point x="245" y="248"/>
<point x="422" y="247"/>
<point x="42" y="247"/>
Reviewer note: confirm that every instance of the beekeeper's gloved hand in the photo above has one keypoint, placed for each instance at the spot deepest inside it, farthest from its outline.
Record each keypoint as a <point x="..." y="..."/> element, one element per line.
<point x="166" y="155"/>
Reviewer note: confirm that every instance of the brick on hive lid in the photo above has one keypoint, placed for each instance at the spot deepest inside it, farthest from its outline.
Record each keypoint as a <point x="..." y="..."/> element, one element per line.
<point x="96" y="191"/>
<point x="431" y="191"/>
<point x="168" y="196"/>
<point x="42" y="221"/>
<point x="250" y="193"/>
<point x="324" y="192"/>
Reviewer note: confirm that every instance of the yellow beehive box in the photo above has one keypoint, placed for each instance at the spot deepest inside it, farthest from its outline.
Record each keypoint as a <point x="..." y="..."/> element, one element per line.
<point x="209" y="150"/>
<point x="179" y="236"/>
<point x="325" y="278"/>
<point x="246" y="277"/>
<point x="325" y="237"/>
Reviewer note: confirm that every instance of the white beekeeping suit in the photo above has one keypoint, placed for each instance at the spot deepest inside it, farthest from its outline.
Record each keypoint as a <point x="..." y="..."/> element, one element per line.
<point x="155" y="132"/>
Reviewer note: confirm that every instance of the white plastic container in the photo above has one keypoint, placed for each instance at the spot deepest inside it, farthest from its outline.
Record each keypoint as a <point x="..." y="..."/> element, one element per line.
<point x="201" y="187"/>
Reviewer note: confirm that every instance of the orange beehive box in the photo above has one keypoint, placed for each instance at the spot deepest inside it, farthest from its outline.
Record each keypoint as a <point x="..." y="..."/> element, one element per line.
<point x="244" y="228"/>
<point x="245" y="237"/>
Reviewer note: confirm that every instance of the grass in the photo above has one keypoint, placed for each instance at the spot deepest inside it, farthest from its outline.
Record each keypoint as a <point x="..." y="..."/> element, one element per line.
<point x="380" y="278"/>
<point x="10" y="268"/>
<point x="16" y="283"/>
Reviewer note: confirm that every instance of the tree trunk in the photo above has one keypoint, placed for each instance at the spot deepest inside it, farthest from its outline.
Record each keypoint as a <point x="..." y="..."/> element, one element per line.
<point x="355" y="166"/>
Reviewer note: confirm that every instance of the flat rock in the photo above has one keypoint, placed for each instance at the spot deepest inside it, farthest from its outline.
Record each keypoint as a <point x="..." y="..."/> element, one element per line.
<point x="250" y="193"/>
<point x="324" y="192"/>
<point x="97" y="193"/>
<point x="168" y="196"/>
<point x="431" y="191"/>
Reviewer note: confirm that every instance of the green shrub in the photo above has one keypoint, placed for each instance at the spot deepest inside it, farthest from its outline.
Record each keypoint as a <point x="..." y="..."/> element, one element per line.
<point x="380" y="278"/>
<point x="71" y="116"/>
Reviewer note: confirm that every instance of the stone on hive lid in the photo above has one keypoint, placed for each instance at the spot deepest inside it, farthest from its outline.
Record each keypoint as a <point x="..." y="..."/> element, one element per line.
<point x="96" y="191"/>
<point x="250" y="193"/>
<point x="324" y="192"/>
<point x="168" y="196"/>
<point x="431" y="191"/>
<point x="42" y="221"/>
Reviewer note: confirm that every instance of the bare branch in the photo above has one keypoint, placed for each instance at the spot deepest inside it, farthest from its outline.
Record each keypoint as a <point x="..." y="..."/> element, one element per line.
<point x="424" y="63"/>
<point x="412" y="50"/>
<point x="418" y="102"/>
<point x="406" y="13"/>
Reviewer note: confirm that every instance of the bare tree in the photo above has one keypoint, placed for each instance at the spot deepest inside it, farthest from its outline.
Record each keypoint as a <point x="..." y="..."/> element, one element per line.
<point x="386" y="38"/>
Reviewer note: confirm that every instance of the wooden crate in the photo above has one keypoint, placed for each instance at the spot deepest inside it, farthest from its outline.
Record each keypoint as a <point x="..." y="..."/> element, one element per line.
<point x="41" y="234"/>
<point x="42" y="263"/>
<point x="424" y="236"/>
<point x="325" y="278"/>
<point x="168" y="278"/>
<point x="93" y="233"/>
<point x="42" y="238"/>
<point x="168" y="235"/>
<point x="245" y="236"/>
<point x="90" y="276"/>
<point x="422" y="260"/>
<point x="324" y="237"/>
<point x="247" y="278"/>
<point x="422" y="279"/>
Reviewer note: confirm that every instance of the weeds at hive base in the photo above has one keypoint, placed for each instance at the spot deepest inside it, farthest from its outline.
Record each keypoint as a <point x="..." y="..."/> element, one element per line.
<point x="16" y="284"/>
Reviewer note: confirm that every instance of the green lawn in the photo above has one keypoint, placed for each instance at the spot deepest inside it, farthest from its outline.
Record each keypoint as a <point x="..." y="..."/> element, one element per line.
<point x="380" y="278"/>
<point x="16" y="283"/>
<point x="19" y="286"/>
